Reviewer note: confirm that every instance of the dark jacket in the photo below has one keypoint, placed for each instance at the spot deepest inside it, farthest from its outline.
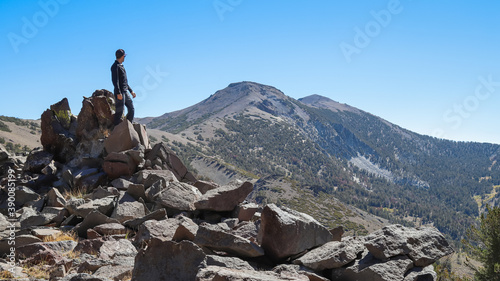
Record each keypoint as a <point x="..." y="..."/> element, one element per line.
<point x="119" y="78"/>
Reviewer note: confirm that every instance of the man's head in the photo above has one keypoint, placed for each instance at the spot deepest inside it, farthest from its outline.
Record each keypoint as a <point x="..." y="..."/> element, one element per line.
<point x="120" y="55"/>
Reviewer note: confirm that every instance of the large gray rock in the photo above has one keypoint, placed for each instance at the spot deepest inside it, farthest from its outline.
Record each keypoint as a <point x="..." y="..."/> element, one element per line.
<point x="224" y="198"/>
<point x="216" y="238"/>
<point x="117" y="248"/>
<point x="143" y="135"/>
<point x="128" y="208"/>
<point x="25" y="195"/>
<point x="93" y="219"/>
<point x="120" y="272"/>
<point x="370" y="268"/>
<point x="104" y="205"/>
<point x="148" y="177"/>
<point x="421" y="274"/>
<point x="168" y="261"/>
<point x="37" y="160"/>
<point x="165" y="159"/>
<point x="111" y="229"/>
<point x="179" y="196"/>
<point x="58" y="127"/>
<point x="163" y="230"/>
<point x="423" y="245"/>
<point x="158" y="215"/>
<point x="118" y="164"/>
<point x="228" y="262"/>
<point x="332" y="254"/>
<point x="218" y="273"/>
<point x="55" y="198"/>
<point x="123" y="137"/>
<point x="186" y="230"/>
<point x="294" y="270"/>
<point x="284" y="233"/>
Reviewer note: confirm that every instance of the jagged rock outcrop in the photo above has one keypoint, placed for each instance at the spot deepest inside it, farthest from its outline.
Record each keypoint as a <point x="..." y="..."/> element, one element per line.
<point x="141" y="214"/>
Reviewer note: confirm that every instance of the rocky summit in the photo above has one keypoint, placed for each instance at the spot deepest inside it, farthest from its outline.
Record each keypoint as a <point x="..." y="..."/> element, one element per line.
<point x="98" y="202"/>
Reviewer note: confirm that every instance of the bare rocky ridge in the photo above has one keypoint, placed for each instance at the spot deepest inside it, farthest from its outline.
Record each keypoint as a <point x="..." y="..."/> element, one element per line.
<point x="139" y="214"/>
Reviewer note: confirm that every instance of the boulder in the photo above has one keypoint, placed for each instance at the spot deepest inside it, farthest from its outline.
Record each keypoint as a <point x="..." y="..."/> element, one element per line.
<point x="163" y="230"/>
<point x="179" y="196"/>
<point x="246" y="212"/>
<point x="110" y="229"/>
<point x="370" y="268"/>
<point x="128" y="208"/>
<point x="168" y="260"/>
<point x="118" y="164"/>
<point x="92" y="220"/>
<point x="37" y="160"/>
<point x="332" y="254"/>
<point x="117" y="248"/>
<point x="169" y="161"/>
<point x="224" y="198"/>
<point x="216" y="238"/>
<point x="123" y="137"/>
<point x="24" y="195"/>
<point x="119" y="272"/>
<point x="137" y="191"/>
<point x="421" y="274"/>
<point x="228" y="262"/>
<point x="143" y="135"/>
<point x="158" y="215"/>
<point x="284" y="233"/>
<point x="58" y="127"/>
<point x="149" y="177"/>
<point x="46" y="233"/>
<point x="55" y="198"/>
<point x="291" y="270"/>
<point x="39" y="253"/>
<point x="104" y="205"/>
<point x="204" y="186"/>
<point x="4" y="154"/>
<point x="216" y="273"/>
<point x="186" y="230"/>
<point x="423" y="245"/>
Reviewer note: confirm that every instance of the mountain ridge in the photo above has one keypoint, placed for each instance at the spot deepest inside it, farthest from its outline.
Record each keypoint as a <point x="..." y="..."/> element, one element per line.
<point x="340" y="150"/>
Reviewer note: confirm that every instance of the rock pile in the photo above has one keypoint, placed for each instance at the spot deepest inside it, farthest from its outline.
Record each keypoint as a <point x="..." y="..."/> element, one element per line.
<point x="139" y="214"/>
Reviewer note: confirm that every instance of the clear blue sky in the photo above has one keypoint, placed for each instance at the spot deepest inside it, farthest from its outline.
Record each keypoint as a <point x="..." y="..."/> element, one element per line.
<point x="429" y="66"/>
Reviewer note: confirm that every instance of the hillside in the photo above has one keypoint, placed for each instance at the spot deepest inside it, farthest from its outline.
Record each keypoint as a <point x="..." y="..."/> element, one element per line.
<point x="337" y="150"/>
<point x="23" y="135"/>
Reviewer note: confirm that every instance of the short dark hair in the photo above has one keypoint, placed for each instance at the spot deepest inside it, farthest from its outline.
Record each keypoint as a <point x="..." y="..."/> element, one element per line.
<point x="119" y="53"/>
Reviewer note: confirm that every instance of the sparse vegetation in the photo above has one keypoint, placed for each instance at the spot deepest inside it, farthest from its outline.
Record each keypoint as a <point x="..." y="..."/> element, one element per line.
<point x="4" y="127"/>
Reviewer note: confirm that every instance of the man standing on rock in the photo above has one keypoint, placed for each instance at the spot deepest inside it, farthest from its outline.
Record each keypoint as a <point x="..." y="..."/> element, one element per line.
<point x="119" y="78"/>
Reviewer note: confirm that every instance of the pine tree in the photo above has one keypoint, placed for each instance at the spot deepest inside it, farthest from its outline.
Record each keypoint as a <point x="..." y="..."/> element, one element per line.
<point x="483" y="242"/>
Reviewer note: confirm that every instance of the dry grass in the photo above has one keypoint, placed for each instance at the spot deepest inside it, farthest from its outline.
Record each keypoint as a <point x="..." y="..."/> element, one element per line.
<point x="62" y="237"/>
<point x="77" y="193"/>
<point x="40" y="271"/>
<point x="6" y="275"/>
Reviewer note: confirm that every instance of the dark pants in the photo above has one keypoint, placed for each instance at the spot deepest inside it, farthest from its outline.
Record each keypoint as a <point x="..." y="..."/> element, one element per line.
<point x="126" y="101"/>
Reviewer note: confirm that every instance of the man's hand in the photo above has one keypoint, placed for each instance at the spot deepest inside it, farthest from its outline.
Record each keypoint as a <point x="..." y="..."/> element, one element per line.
<point x="119" y="96"/>
<point x="133" y="95"/>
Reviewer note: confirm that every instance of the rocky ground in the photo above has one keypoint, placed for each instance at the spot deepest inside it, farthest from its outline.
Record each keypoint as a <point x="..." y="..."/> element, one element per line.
<point x="98" y="202"/>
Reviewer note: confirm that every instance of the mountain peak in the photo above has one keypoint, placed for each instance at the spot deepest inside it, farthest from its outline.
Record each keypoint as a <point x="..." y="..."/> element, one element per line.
<point x="319" y="101"/>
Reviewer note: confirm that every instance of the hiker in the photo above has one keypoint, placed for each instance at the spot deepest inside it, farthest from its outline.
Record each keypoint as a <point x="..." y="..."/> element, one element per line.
<point x="119" y="77"/>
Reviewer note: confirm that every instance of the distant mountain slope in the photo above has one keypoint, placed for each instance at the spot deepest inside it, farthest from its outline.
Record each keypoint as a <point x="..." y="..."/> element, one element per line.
<point x="18" y="134"/>
<point x="339" y="150"/>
